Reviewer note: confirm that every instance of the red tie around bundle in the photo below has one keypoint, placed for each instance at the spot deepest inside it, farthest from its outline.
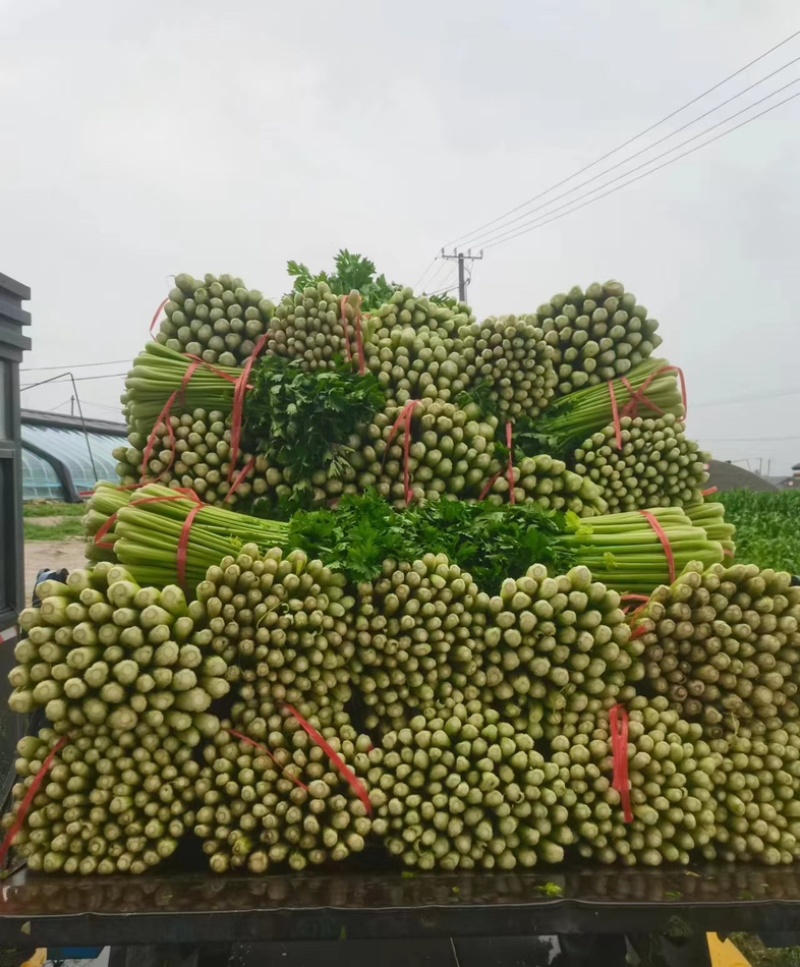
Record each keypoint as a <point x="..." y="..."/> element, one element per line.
<point x="164" y="417"/>
<point x="157" y="315"/>
<point x="643" y="600"/>
<point x="348" y="354"/>
<point x="239" y="394"/>
<point x="347" y="774"/>
<point x="662" y="536"/>
<point x="30" y="795"/>
<point x="244" y="473"/>
<point x="403" y="421"/>
<point x="509" y="469"/>
<point x="628" y="601"/>
<point x="257" y="745"/>
<point x="638" y="398"/>
<point x="618" y="723"/>
<point x="183" y="546"/>
<point x="181" y="493"/>
<point x="186" y="530"/>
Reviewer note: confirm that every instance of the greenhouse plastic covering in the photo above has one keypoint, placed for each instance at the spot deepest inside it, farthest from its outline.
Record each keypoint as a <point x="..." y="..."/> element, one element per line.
<point x="39" y="480"/>
<point x="69" y="446"/>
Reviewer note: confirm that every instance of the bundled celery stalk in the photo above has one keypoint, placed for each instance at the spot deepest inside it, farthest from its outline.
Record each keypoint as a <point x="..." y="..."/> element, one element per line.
<point x="414" y="347"/>
<point x="191" y="450"/>
<point x="103" y="651"/>
<point x="756" y="790"/>
<point x="723" y="644"/>
<point x="548" y="483"/>
<point x="283" y="802"/>
<point x="218" y="318"/>
<point x="710" y="515"/>
<point x="671" y="771"/>
<point x="148" y="529"/>
<point x="465" y="790"/>
<point x="656" y="466"/>
<point x="598" y="334"/>
<point x="279" y="623"/>
<point x="571" y="419"/>
<point x="108" y="804"/>
<point x="508" y="362"/>
<point x="158" y="372"/>
<point x="417" y="639"/>
<point x="624" y="551"/>
<point x="307" y="327"/>
<point x="554" y="646"/>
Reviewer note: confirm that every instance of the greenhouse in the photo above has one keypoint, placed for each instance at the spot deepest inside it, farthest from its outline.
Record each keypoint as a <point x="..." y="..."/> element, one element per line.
<point x="63" y="456"/>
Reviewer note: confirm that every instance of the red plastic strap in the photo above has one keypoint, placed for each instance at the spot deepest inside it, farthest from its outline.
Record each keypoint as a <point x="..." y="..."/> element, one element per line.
<point x="404" y="419"/>
<point x="615" y="415"/>
<point x="239" y="394"/>
<point x="618" y="723"/>
<point x="629" y="599"/>
<point x="727" y="552"/>
<point x="643" y="600"/>
<point x="156" y="315"/>
<point x="348" y="355"/>
<point x="638" y="398"/>
<point x="183" y="544"/>
<point x="487" y="489"/>
<point x="362" y="362"/>
<point x="30" y="795"/>
<point x="214" y="369"/>
<point x="265" y="750"/>
<point x="182" y="493"/>
<point x="347" y="773"/>
<point x="164" y="417"/>
<point x="248" y="468"/>
<point x="510" y="470"/>
<point x="710" y="491"/>
<point x="662" y="536"/>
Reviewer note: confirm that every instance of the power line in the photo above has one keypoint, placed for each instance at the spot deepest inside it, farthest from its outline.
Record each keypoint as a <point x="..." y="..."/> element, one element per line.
<point x="748" y="399"/>
<point x="59" y="405"/>
<point x="102" y="406"/>
<point x="439" y="275"/>
<point x="41" y="369"/>
<point x="79" y="379"/>
<point x="425" y="271"/>
<point x="644" y="164"/>
<point x="449" y="288"/>
<point x="625" y="144"/>
<point x="540" y="223"/>
<point x="649" y="147"/>
<point x="747" y="439"/>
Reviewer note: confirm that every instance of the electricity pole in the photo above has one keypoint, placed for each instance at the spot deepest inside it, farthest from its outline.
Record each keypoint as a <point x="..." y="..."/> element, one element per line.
<point x="462" y="257"/>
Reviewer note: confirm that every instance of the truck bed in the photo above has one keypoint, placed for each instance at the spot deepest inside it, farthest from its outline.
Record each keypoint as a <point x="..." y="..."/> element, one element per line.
<point x="201" y="908"/>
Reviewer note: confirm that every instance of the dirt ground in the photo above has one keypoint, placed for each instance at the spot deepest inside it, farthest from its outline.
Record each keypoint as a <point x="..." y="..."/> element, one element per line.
<point x="66" y="553"/>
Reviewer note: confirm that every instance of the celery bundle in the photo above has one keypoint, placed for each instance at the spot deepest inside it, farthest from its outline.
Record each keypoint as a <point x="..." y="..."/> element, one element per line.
<point x="101" y="650"/>
<point x="711" y="517"/>
<point x="624" y="551"/>
<point x="148" y="527"/>
<point x="571" y="419"/>
<point x="158" y="372"/>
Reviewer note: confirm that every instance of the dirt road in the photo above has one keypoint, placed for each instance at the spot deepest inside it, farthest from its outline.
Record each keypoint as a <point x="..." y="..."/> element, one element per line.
<point x="66" y="553"/>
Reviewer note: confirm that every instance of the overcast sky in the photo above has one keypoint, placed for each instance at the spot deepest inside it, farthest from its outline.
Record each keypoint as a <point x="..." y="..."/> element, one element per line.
<point x="149" y="138"/>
